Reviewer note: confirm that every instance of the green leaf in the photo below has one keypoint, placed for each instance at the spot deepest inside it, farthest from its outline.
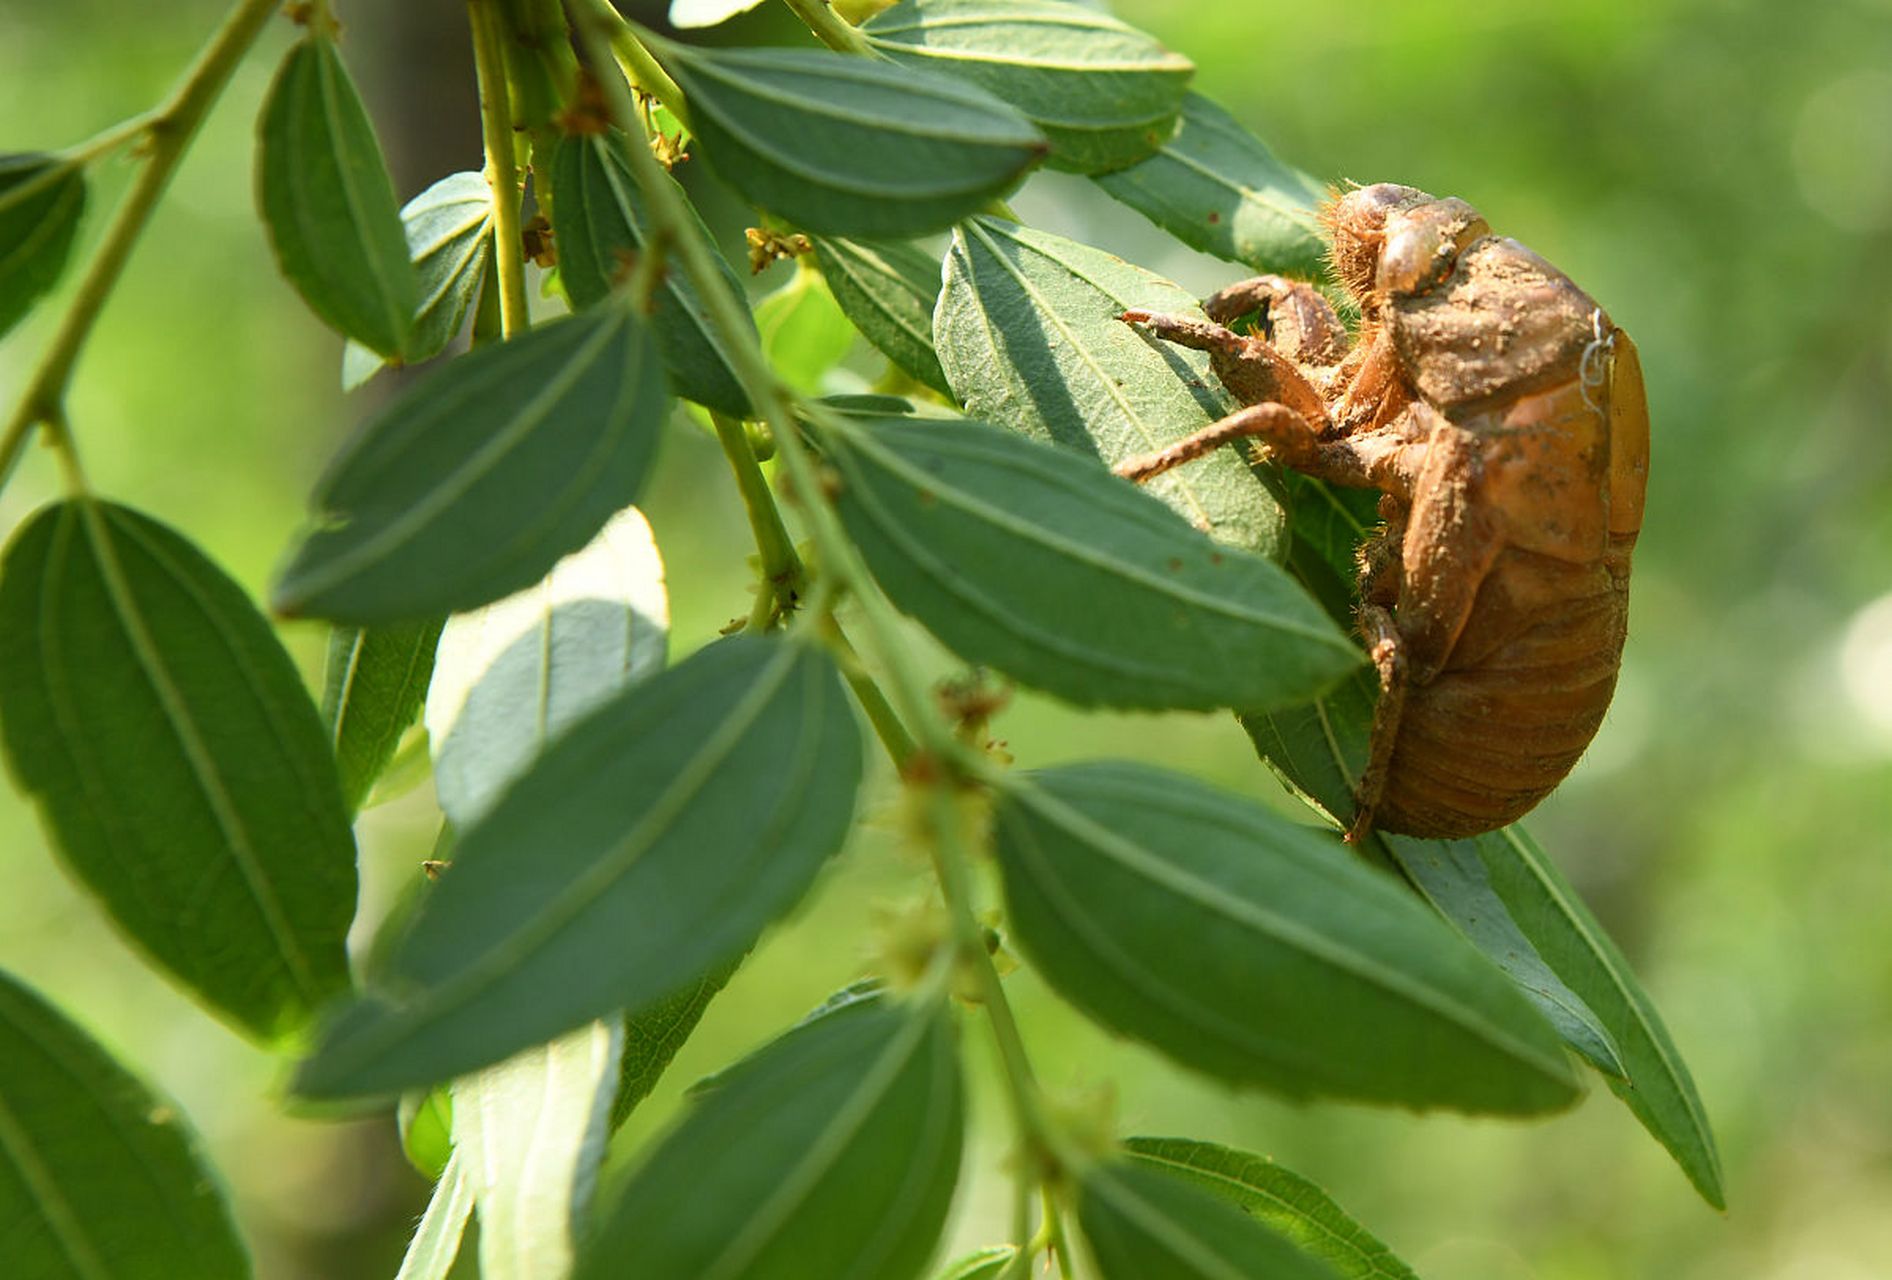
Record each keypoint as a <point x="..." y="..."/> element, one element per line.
<point x="650" y="843"/>
<point x="1285" y="1202"/>
<point x="888" y="288"/>
<point x="531" y="1133"/>
<point x="850" y="146"/>
<point x="449" y="232"/>
<point x="1332" y="521"/>
<point x="1216" y="188"/>
<point x="327" y="202"/>
<point x="473" y="483"/>
<point x="654" y="1034"/>
<point x="42" y="198"/>
<point x="516" y="674"/>
<point x="833" y="1152"/>
<point x="425" y="1120"/>
<point x="1028" y="335"/>
<point x="861" y="994"/>
<point x="598" y="220"/>
<point x="1452" y="877"/>
<point x="1105" y="94"/>
<point x="1657" y="1087"/>
<point x="98" y="1178"/>
<point x="804" y="332"/>
<point x="177" y="760"/>
<point x="1044" y="566"/>
<point x="1508" y="897"/>
<point x="372" y="690"/>
<point x="1141" y="1224"/>
<point x="1259" y="951"/>
<point x="436" y="1243"/>
<point x="988" y="1263"/>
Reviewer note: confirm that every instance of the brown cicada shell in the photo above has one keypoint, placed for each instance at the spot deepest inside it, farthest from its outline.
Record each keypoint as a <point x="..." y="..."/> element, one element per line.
<point x="1501" y="416"/>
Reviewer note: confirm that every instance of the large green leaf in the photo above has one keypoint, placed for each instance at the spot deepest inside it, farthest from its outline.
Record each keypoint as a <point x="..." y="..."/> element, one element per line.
<point x="151" y="714"/>
<point x="531" y="1133"/>
<point x="1259" y="951"/>
<point x="99" y="1180"/>
<point x="1286" y="1202"/>
<point x="1216" y="188"/>
<point x="598" y="220"/>
<point x="651" y="842"/>
<point x="516" y="674"/>
<point x="833" y="1152"/>
<point x="888" y="288"/>
<point x="474" y="483"/>
<point x="1028" y="334"/>
<point x="42" y="198"/>
<point x="851" y="146"/>
<point x="1105" y="94"/>
<point x="449" y="232"/>
<point x="1506" y="896"/>
<point x="327" y="202"/>
<point x="1141" y="1224"/>
<point x="1042" y="565"/>
<point x="372" y="689"/>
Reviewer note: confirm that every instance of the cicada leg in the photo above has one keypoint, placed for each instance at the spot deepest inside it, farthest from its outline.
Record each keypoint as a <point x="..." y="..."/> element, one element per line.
<point x="1388" y="652"/>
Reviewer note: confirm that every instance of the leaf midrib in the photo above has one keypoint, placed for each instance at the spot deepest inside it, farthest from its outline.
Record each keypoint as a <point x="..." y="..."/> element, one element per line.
<point x="197" y="756"/>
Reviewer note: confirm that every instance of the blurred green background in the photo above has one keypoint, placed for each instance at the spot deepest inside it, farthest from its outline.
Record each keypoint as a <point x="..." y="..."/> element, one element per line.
<point x="1717" y="172"/>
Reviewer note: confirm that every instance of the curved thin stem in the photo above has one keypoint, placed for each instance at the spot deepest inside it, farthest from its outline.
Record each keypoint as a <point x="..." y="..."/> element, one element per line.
<point x="502" y="172"/>
<point x="892" y="733"/>
<point x="170" y="131"/>
<point x="783" y="575"/>
<point x="644" y="71"/>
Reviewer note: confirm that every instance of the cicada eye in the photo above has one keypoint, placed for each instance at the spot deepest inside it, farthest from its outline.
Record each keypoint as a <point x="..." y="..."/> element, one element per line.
<point x="1422" y="243"/>
<point x="1356" y="226"/>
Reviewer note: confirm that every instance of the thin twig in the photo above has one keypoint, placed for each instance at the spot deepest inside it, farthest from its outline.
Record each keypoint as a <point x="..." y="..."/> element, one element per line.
<point x="169" y="132"/>
<point x="502" y="173"/>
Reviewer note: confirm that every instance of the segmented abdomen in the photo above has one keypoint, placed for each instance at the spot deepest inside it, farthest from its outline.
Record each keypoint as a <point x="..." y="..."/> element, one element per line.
<point x="1507" y="718"/>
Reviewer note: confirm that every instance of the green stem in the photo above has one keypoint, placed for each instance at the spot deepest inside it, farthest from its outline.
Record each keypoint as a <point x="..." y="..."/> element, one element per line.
<point x="830" y="27"/>
<point x="892" y="733"/>
<point x="644" y="71"/>
<point x="783" y="575"/>
<point x="170" y="131"/>
<point x="502" y="173"/>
